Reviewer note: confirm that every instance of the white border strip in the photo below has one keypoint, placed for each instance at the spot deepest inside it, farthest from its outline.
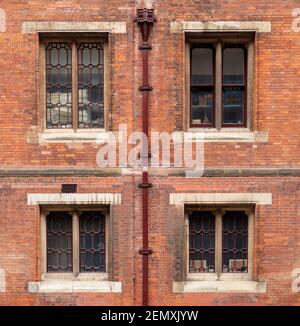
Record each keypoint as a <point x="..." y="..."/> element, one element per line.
<point x="59" y="286"/>
<point x="221" y="26"/>
<point x="221" y="198"/>
<point x="219" y="286"/>
<point x="2" y="21"/>
<point x="2" y="280"/>
<point x="100" y="27"/>
<point x="93" y="198"/>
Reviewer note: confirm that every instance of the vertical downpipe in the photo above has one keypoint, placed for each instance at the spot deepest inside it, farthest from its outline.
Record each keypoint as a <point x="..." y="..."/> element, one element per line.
<point x="145" y="19"/>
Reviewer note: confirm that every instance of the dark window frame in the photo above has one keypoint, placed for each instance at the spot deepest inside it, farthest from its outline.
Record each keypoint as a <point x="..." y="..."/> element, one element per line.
<point x="219" y="40"/>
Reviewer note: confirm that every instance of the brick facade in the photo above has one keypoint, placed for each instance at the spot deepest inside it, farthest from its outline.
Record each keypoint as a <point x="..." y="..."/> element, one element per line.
<point x="28" y="166"/>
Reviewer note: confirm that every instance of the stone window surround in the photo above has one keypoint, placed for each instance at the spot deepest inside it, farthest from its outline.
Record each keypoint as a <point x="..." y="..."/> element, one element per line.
<point x="225" y="283"/>
<point x="80" y="134"/>
<point x="48" y="134"/>
<point x="217" y="42"/>
<point x="75" y="213"/>
<point x="219" y="275"/>
<point x="72" y="282"/>
<point x="42" y="135"/>
<point x="224" y="134"/>
<point x="212" y="135"/>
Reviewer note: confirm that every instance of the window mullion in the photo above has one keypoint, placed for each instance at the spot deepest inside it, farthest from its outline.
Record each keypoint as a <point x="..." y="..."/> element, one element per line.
<point x="218" y="247"/>
<point x="74" y="86"/>
<point x="76" y="239"/>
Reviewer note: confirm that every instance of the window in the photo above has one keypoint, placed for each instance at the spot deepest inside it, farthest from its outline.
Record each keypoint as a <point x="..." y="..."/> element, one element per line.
<point x="235" y="242"/>
<point x="202" y="242"/>
<point x="92" y="242"/>
<point x="59" y="242"/>
<point x="233" y="104"/>
<point x="75" y="241"/>
<point x="220" y="242"/>
<point x="202" y="87"/>
<point x="73" y="94"/>
<point x="220" y="73"/>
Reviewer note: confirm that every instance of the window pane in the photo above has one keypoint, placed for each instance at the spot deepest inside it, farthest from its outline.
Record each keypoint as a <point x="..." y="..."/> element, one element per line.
<point x="90" y="85"/>
<point x="233" y="66"/>
<point x="59" y="85"/>
<point x="202" y="106"/>
<point x="202" y="242"/>
<point x="92" y="242"/>
<point x="202" y="66"/>
<point x="235" y="242"/>
<point x="59" y="242"/>
<point x="233" y="105"/>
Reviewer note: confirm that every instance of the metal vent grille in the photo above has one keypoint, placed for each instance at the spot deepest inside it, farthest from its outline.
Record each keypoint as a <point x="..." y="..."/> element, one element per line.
<point x="68" y="188"/>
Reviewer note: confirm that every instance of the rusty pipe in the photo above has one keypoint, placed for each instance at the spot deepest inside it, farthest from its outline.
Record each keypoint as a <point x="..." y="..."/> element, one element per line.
<point x="145" y="20"/>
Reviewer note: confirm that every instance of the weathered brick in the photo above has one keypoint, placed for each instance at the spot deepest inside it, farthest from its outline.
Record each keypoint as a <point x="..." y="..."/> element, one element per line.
<point x="276" y="101"/>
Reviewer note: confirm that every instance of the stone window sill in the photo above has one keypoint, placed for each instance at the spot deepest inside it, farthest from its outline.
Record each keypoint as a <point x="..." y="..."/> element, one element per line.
<point x="99" y="136"/>
<point x="69" y="136"/>
<point x="219" y="286"/>
<point x="72" y="285"/>
<point x="227" y="135"/>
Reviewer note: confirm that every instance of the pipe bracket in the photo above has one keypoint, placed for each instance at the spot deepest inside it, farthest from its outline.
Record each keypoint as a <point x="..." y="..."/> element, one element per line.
<point x="145" y="15"/>
<point x="146" y="252"/>
<point x="145" y="185"/>
<point x="145" y="46"/>
<point x="146" y="88"/>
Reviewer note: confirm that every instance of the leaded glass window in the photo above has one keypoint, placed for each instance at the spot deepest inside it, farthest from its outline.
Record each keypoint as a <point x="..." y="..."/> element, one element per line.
<point x="75" y="241"/>
<point x="219" y="241"/>
<point x="75" y="96"/>
<point x="59" y="242"/>
<point x="92" y="242"/>
<point x="90" y="85"/>
<point x="235" y="242"/>
<point x="59" y="85"/>
<point x="202" y="242"/>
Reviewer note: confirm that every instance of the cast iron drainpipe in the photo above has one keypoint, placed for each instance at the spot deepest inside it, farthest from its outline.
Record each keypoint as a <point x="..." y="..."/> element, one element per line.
<point x="145" y="19"/>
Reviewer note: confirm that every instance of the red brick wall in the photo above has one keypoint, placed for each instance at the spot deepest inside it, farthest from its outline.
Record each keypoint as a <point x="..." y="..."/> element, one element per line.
<point x="277" y="79"/>
<point x="276" y="240"/>
<point x="275" y="111"/>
